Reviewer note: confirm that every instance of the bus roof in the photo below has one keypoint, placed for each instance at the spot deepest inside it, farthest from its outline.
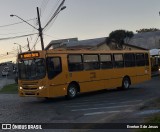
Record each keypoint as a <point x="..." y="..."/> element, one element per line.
<point x="93" y="51"/>
<point x="85" y="51"/>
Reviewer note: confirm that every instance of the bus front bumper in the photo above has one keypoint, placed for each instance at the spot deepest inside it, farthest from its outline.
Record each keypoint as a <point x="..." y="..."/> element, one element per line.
<point x="33" y="92"/>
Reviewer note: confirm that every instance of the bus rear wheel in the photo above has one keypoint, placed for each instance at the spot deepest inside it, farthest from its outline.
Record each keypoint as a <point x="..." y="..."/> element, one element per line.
<point x="125" y="83"/>
<point x="72" y="91"/>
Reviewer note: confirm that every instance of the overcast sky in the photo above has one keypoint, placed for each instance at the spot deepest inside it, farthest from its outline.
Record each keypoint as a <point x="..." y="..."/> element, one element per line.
<point x="85" y="19"/>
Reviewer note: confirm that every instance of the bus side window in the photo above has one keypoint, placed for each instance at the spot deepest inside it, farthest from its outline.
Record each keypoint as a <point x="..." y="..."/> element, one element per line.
<point x="91" y="62"/>
<point x="106" y="61"/>
<point x="54" y="66"/>
<point x="140" y="60"/>
<point x="146" y="59"/>
<point x="75" y="63"/>
<point x="129" y="59"/>
<point x="118" y="61"/>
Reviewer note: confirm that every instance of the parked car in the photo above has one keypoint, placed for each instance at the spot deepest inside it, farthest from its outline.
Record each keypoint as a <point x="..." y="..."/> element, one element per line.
<point x="14" y="70"/>
<point x="6" y="68"/>
<point x="5" y="72"/>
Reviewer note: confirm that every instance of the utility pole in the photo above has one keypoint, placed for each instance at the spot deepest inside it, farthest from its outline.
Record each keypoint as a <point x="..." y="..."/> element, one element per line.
<point x="40" y="29"/>
<point x="28" y="45"/>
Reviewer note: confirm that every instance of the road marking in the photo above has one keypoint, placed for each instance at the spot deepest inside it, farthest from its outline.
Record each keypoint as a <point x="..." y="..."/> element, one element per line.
<point x="91" y="101"/>
<point x="96" y="108"/>
<point x="106" y="102"/>
<point x="94" y="101"/>
<point x="98" y="113"/>
<point x="94" y="113"/>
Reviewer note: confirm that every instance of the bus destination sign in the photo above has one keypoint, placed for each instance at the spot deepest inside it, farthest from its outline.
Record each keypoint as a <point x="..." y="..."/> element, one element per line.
<point x="29" y="55"/>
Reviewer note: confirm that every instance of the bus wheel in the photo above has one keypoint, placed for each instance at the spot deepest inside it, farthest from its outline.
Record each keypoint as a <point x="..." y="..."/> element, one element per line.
<point x="72" y="91"/>
<point x="125" y="83"/>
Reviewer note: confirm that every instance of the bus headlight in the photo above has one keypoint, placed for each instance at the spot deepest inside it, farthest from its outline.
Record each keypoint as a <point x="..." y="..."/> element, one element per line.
<point x="20" y="88"/>
<point x="41" y="87"/>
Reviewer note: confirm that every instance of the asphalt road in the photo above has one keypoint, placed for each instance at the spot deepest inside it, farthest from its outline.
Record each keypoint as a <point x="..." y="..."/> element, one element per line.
<point x="107" y="106"/>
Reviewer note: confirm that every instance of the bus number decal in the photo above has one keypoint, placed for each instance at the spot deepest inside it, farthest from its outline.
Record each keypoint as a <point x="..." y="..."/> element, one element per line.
<point x="92" y="75"/>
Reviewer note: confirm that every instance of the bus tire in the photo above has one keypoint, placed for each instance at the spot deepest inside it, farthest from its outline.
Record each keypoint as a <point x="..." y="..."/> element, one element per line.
<point x="126" y="83"/>
<point x="71" y="91"/>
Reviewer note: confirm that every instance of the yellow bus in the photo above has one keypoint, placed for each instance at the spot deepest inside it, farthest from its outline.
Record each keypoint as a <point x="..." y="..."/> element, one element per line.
<point x="54" y="73"/>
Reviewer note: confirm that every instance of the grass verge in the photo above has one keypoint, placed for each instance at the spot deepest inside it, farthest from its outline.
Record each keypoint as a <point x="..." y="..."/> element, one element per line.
<point x="11" y="89"/>
<point x="155" y="104"/>
<point x="152" y="120"/>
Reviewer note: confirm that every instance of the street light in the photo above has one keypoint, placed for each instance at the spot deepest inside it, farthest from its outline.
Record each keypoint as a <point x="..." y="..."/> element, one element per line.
<point x="39" y="22"/>
<point x="64" y="7"/>
<point x="54" y="15"/>
<point x="20" y="47"/>
<point x="23" y="20"/>
<point x="40" y="29"/>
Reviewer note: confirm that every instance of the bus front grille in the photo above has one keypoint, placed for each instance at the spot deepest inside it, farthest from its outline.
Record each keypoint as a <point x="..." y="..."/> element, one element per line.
<point x="30" y="94"/>
<point x="30" y="88"/>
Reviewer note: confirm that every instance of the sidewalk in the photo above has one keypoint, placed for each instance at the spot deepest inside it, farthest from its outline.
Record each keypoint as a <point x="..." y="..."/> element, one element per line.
<point x="5" y="81"/>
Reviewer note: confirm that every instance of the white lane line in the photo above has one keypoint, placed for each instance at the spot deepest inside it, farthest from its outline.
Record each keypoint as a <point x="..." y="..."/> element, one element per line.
<point x="106" y="103"/>
<point x="91" y="101"/>
<point x="98" y="113"/>
<point x="96" y="108"/>
<point x="94" y="113"/>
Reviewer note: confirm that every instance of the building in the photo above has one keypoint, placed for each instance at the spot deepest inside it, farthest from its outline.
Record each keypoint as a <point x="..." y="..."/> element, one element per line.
<point x="91" y="44"/>
<point x="147" y="40"/>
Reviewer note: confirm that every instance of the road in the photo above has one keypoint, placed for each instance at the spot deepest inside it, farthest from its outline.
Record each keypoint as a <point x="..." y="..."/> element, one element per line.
<point x="107" y="106"/>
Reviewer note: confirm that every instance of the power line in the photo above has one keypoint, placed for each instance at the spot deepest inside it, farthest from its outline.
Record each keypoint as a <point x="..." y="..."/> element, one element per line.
<point x="10" y="52"/>
<point x="52" y="10"/>
<point x="43" y="6"/>
<point x="55" y="14"/>
<point x="50" y="36"/>
<point x="51" y="23"/>
<point x="35" y="43"/>
<point x="15" y="23"/>
<point x="7" y="56"/>
<point x="13" y="33"/>
<point x="17" y="36"/>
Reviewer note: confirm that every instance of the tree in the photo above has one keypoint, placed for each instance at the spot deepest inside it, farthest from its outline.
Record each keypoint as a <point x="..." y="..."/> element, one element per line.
<point x="143" y="30"/>
<point x="117" y="38"/>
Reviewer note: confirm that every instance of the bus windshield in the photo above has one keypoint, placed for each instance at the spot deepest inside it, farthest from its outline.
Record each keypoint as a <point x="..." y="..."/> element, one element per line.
<point x="31" y="69"/>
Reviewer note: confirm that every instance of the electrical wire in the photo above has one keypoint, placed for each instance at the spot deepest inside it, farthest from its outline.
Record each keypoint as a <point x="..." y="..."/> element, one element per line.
<point x="13" y="33"/>
<point x="51" y="36"/>
<point x="35" y="43"/>
<point x="8" y="56"/>
<point x="52" y="10"/>
<point x="55" y="14"/>
<point x="14" y="37"/>
<point x="10" y="52"/>
<point x="2" y="26"/>
<point x="43" y="7"/>
<point x="51" y="23"/>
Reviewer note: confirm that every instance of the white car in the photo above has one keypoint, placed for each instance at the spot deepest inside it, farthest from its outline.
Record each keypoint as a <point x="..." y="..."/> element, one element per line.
<point x="6" y="68"/>
<point x="5" y="73"/>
